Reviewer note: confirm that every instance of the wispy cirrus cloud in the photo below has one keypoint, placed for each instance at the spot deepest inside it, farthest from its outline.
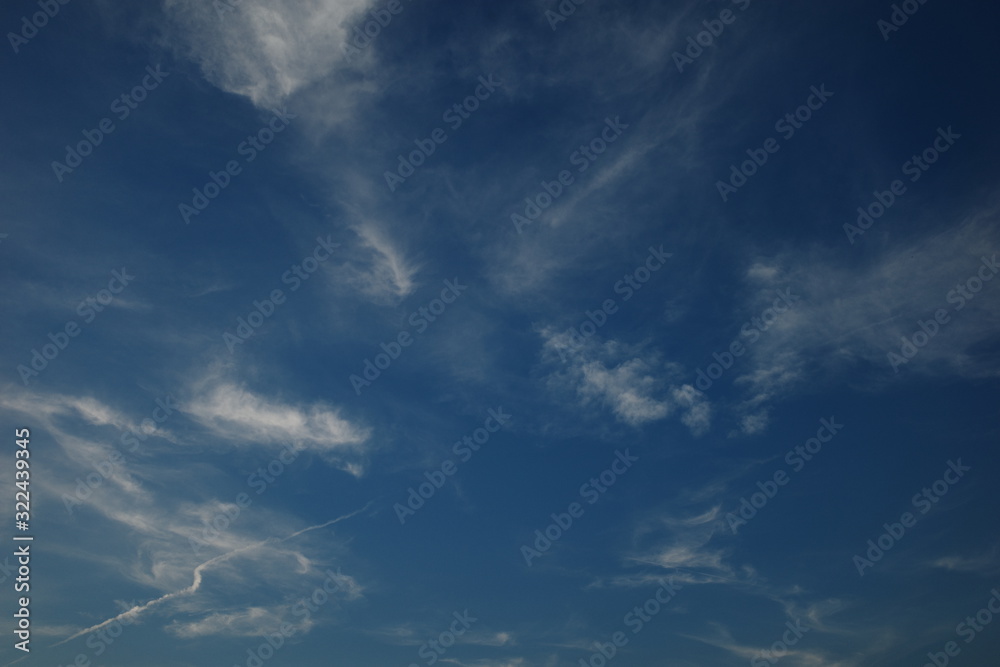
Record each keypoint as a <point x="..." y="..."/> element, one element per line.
<point x="632" y="384"/>
<point x="381" y="271"/>
<point x="854" y="312"/>
<point x="236" y="414"/>
<point x="263" y="50"/>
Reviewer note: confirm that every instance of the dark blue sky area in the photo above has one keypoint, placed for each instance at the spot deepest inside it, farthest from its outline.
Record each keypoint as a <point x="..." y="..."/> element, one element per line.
<point x="611" y="370"/>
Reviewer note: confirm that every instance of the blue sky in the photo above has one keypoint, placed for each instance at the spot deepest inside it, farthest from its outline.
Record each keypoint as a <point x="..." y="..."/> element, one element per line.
<point x="665" y="334"/>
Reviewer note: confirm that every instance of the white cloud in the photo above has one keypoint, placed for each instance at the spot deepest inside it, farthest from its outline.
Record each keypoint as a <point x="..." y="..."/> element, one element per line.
<point x="755" y="423"/>
<point x="153" y="532"/>
<point x="265" y="559"/>
<point x="762" y="272"/>
<point x="494" y="639"/>
<point x="985" y="563"/>
<point x="687" y="551"/>
<point x="627" y="388"/>
<point x="852" y="314"/>
<point x="636" y="389"/>
<point x="78" y="425"/>
<point x="88" y="408"/>
<point x="698" y="413"/>
<point x="239" y="415"/>
<point x="249" y="622"/>
<point x="264" y="49"/>
<point x="386" y="276"/>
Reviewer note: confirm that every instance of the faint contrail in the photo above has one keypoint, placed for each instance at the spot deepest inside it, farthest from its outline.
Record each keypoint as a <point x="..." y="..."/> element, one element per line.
<point x="196" y="584"/>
